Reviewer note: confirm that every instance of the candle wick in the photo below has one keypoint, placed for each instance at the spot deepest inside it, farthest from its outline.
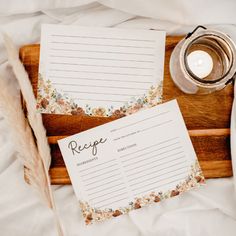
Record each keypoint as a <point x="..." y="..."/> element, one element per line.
<point x="199" y="62"/>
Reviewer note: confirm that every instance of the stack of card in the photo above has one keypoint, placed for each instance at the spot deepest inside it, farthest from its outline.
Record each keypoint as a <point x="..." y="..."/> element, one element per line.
<point x="133" y="161"/>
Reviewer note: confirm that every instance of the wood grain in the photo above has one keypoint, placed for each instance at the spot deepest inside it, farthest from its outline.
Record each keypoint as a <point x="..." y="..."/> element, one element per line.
<point x="207" y="118"/>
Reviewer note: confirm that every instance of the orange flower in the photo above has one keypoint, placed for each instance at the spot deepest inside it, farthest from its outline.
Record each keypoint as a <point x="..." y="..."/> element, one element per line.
<point x="157" y="199"/>
<point x="118" y="113"/>
<point x="77" y="111"/>
<point x="99" y="111"/>
<point x="174" y="193"/>
<point x="44" y="102"/>
<point x="117" y="213"/>
<point x="137" y="205"/>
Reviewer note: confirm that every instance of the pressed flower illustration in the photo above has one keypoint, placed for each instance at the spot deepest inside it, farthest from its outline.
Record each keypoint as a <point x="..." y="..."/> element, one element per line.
<point x="49" y="100"/>
<point x="194" y="179"/>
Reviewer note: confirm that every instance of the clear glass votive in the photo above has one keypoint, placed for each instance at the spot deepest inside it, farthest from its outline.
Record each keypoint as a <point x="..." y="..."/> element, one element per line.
<point x="203" y="62"/>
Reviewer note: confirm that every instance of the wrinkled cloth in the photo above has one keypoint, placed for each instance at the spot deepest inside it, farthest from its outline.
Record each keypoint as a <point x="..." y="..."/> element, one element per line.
<point x="209" y="210"/>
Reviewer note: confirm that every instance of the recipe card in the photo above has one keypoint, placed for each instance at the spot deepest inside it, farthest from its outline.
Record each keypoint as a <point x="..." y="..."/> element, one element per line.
<point x="131" y="162"/>
<point x="99" y="71"/>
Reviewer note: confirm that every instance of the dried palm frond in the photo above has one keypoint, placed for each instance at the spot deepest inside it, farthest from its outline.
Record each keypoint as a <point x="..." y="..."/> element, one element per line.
<point x="29" y="134"/>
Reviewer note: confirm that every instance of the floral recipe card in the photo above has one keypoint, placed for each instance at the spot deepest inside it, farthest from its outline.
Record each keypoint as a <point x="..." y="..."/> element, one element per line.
<point x="99" y="71"/>
<point x="131" y="162"/>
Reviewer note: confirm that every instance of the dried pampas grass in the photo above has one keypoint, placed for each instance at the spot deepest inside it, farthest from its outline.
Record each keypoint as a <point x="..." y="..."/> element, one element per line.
<point x="35" y="118"/>
<point x="29" y="134"/>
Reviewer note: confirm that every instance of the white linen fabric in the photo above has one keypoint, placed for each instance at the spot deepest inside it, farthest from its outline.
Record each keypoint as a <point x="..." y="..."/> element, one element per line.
<point x="210" y="210"/>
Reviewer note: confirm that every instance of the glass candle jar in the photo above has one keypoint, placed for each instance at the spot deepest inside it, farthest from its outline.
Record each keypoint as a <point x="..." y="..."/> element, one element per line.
<point x="203" y="62"/>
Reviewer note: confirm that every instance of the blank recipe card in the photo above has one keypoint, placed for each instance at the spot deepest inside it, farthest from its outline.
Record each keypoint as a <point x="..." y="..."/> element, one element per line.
<point x="131" y="162"/>
<point x="99" y="71"/>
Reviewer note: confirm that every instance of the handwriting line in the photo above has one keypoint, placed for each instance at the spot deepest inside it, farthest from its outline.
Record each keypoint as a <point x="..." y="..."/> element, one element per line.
<point x="119" y="200"/>
<point x="104" y="189"/>
<point x="153" y="167"/>
<point x="96" y="65"/>
<point x="96" y="176"/>
<point x="151" y="189"/>
<point x="101" y="58"/>
<point x="115" y="191"/>
<point x="102" y="45"/>
<point x="100" y="37"/>
<point x="163" y="179"/>
<point x="103" y="163"/>
<point x="106" y="183"/>
<point x="112" y="80"/>
<point x="144" y="154"/>
<point x="156" y="144"/>
<point x="140" y="121"/>
<point x="101" y="72"/>
<point x="121" y="194"/>
<point x="156" y="176"/>
<point x="96" y="51"/>
<point x="153" y="172"/>
<point x="102" y="179"/>
<point x="98" y="170"/>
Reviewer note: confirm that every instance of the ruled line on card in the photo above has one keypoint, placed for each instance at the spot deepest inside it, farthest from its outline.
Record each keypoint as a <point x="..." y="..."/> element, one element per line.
<point x="99" y="37"/>
<point x="156" y="160"/>
<point x="145" y="164"/>
<point x="108" y="188"/>
<point x="158" y="186"/>
<point x="87" y="92"/>
<point x="147" y="153"/>
<point x="123" y="53"/>
<point x="102" y="45"/>
<point x="92" y="79"/>
<point x="153" y="167"/>
<point x="108" y="193"/>
<point x="100" y="100"/>
<point x="153" y="172"/>
<point x="140" y="121"/>
<point x="96" y="176"/>
<point x="95" y="86"/>
<point x="103" y="179"/>
<point x="150" y="158"/>
<point x="107" y="66"/>
<point x="103" y="163"/>
<point x="112" y="181"/>
<point x="157" y="181"/>
<point x="113" y="202"/>
<point x="153" y="177"/>
<point x="101" y="58"/>
<point x="99" y="72"/>
<point x="156" y="144"/>
<point x="157" y="125"/>
<point x="104" y="168"/>
<point x="121" y="194"/>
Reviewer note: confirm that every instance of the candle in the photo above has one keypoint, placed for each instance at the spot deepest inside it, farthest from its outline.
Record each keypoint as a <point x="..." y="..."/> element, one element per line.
<point x="203" y="61"/>
<point x="200" y="63"/>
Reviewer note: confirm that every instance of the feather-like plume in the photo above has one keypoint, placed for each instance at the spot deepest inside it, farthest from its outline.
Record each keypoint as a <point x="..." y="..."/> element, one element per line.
<point x="34" y="117"/>
<point x="37" y="160"/>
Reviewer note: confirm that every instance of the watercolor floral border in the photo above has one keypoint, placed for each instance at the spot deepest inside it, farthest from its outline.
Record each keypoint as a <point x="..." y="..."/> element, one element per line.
<point x="49" y="100"/>
<point x="194" y="179"/>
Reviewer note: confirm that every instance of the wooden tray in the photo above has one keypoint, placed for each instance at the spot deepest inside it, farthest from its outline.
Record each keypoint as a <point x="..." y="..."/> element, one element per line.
<point x="207" y="118"/>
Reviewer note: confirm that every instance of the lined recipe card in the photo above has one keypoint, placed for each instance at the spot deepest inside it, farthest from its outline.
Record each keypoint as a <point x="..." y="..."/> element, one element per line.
<point x="99" y="71"/>
<point x="131" y="162"/>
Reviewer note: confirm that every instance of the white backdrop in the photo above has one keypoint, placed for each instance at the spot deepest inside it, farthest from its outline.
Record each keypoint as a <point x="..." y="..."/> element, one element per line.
<point x="210" y="210"/>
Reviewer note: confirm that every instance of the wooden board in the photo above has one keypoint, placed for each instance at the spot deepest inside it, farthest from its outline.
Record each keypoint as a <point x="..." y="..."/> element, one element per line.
<point x="207" y="118"/>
